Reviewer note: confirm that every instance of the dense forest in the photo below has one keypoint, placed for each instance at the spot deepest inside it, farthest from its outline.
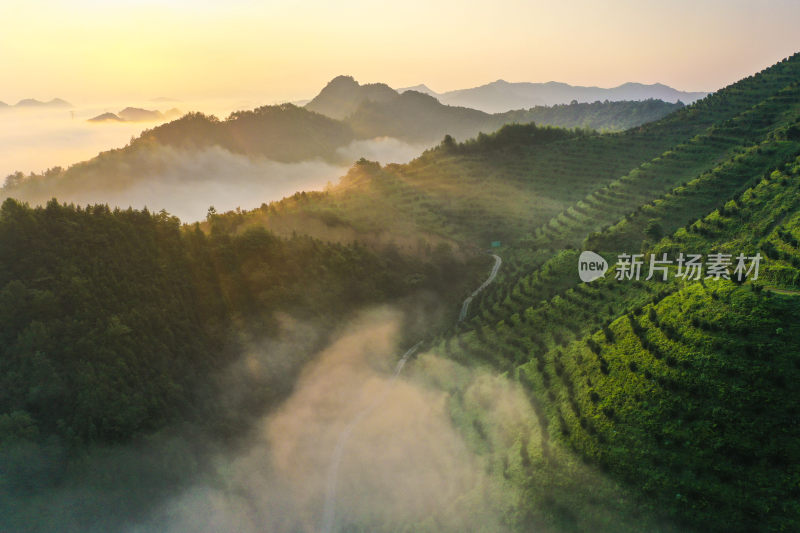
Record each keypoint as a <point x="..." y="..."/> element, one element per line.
<point x="116" y="321"/>
<point x="656" y="405"/>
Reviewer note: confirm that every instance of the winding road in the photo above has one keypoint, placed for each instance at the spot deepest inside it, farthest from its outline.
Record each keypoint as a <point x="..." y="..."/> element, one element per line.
<point x="465" y="306"/>
<point x="329" y="509"/>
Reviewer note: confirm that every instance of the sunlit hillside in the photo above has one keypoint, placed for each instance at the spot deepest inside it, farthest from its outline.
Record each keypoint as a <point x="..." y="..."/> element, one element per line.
<point x="248" y="293"/>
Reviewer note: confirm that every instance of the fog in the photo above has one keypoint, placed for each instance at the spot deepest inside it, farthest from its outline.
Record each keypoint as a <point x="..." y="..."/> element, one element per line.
<point x="383" y="149"/>
<point x="404" y="464"/>
<point x="444" y="447"/>
<point x="184" y="182"/>
<point x="33" y="140"/>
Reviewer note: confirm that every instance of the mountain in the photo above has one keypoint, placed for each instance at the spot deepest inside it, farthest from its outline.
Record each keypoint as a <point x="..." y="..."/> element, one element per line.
<point x="416" y="117"/>
<point x="283" y="133"/>
<point x="501" y="96"/>
<point x="31" y="102"/>
<point x="419" y="117"/>
<point x="342" y="95"/>
<point x="135" y="114"/>
<point x="106" y="117"/>
<point x="421" y="88"/>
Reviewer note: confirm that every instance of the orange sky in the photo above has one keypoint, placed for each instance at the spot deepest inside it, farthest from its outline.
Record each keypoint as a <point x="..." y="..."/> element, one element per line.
<point x="273" y="51"/>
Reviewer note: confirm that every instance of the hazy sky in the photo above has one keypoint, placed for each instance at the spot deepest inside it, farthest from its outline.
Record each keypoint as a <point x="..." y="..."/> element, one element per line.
<point x="87" y="50"/>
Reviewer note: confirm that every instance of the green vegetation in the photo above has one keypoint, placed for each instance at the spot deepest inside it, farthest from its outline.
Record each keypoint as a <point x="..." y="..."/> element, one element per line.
<point x="671" y="397"/>
<point x="416" y="117"/>
<point x="282" y="132"/>
<point x="601" y="116"/>
<point x="115" y="322"/>
<point x="680" y="390"/>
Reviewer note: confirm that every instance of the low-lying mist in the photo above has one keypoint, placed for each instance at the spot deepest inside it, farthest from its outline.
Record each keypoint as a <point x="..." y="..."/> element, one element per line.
<point x="382" y="149"/>
<point x="33" y="139"/>
<point x="404" y="465"/>
<point x="186" y="182"/>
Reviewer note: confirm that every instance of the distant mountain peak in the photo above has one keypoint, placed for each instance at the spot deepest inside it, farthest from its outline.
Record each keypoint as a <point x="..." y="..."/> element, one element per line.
<point x="500" y="96"/>
<point x="421" y="88"/>
<point x="32" y="102"/>
<point x="29" y="102"/>
<point x="418" y="96"/>
<point x="343" y="94"/>
<point x="105" y="117"/>
<point x="342" y="80"/>
<point x="135" y="114"/>
<point x="59" y="102"/>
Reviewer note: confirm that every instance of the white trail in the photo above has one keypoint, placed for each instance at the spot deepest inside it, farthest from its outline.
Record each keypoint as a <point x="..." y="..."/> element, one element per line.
<point x="465" y="305"/>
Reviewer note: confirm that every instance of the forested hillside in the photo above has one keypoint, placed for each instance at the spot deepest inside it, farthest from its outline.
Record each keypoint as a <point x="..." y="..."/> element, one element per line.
<point x="418" y="117"/>
<point x="116" y="322"/>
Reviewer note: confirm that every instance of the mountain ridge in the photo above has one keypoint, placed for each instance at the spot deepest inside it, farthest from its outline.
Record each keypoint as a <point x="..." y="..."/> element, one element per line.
<point x="501" y="95"/>
<point x="32" y="102"/>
